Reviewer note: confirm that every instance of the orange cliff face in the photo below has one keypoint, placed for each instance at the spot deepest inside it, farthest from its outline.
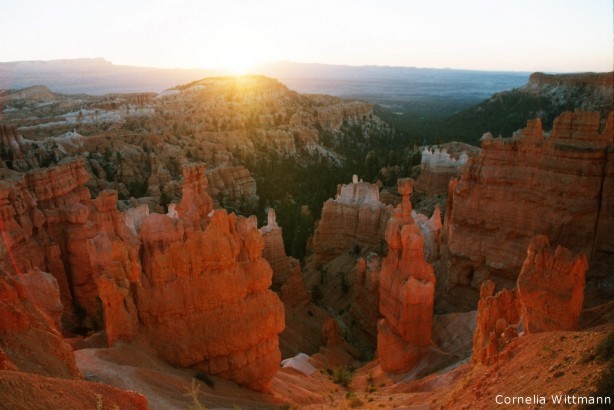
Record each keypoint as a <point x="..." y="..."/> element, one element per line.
<point x="205" y="286"/>
<point x="198" y="275"/>
<point x="548" y="298"/>
<point x="517" y="187"/>
<point x="407" y="291"/>
<point x="29" y="341"/>
<point x="209" y="294"/>
<point x="551" y="287"/>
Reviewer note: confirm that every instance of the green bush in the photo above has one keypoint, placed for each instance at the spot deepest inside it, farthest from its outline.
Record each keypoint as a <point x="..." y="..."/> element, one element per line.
<point x="342" y="376"/>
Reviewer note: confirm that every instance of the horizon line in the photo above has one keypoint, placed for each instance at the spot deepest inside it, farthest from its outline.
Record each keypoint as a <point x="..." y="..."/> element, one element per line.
<point x="273" y="62"/>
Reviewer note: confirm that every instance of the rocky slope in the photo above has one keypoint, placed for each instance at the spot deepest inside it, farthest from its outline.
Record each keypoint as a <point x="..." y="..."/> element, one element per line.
<point x="529" y="184"/>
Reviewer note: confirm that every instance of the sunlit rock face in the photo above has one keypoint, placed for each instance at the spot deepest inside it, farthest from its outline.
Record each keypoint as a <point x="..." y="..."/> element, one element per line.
<point x="195" y="277"/>
<point x="559" y="185"/>
<point x="205" y="285"/>
<point x="407" y="291"/>
<point x="209" y="293"/>
<point x="49" y="222"/>
<point x="497" y="323"/>
<point x="551" y="287"/>
<point x="548" y="298"/>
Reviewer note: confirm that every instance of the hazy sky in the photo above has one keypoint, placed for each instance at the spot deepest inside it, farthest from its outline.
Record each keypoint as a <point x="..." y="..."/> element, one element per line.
<point x="525" y="35"/>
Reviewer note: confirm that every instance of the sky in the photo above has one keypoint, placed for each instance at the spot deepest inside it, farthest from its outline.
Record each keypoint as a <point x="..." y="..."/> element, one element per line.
<point x="507" y="35"/>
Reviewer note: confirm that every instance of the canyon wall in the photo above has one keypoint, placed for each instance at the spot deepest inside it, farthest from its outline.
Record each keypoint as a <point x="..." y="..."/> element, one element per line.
<point x="557" y="185"/>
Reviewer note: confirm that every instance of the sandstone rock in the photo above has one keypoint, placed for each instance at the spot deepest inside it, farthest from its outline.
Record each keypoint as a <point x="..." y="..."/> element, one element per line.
<point x="135" y="216"/>
<point x="294" y="292"/>
<point x="28" y="339"/>
<point x="551" y="287"/>
<point x="498" y="318"/>
<point x="604" y="240"/>
<point x="432" y="231"/>
<point x="15" y="148"/>
<point x="20" y="390"/>
<point x="232" y="184"/>
<point x="44" y="292"/>
<point x="354" y="218"/>
<point x="274" y="251"/>
<point x="331" y="333"/>
<point x="332" y="117"/>
<point x="438" y="166"/>
<point x="365" y="308"/>
<point x="101" y="246"/>
<point x="226" y="322"/>
<point x="195" y="203"/>
<point x="527" y="185"/>
<point x="159" y="177"/>
<point x="53" y="225"/>
<point x="407" y="290"/>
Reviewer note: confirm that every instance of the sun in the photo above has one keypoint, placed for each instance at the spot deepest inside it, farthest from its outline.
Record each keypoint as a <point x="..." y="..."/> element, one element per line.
<point x="238" y="63"/>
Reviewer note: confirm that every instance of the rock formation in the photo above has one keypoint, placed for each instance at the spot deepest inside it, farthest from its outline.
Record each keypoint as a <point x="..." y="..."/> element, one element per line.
<point x="50" y="223"/>
<point x="16" y="152"/>
<point x="407" y="290"/>
<point x="527" y="185"/>
<point x="274" y="251"/>
<point x="432" y="231"/>
<point x="551" y="287"/>
<point x="293" y="292"/>
<point x="332" y="116"/>
<point x="365" y="308"/>
<point x="604" y="240"/>
<point x="597" y="89"/>
<point x="548" y="298"/>
<point x="355" y="217"/>
<point x="287" y="274"/>
<point x="226" y="321"/>
<point x="234" y="184"/>
<point x="199" y="275"/>
<point x="437" y="168"/>
<point x="29" y="342"/>
<point x="497" y="322"/>
<point x="43" y="290"/>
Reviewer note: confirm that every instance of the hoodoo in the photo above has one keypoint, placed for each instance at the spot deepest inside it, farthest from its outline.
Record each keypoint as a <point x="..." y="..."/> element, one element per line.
<point x="407" y="290"/>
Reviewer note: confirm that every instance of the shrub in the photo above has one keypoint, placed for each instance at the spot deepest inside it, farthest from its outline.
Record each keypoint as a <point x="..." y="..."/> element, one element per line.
<point x="342" y="376"/>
